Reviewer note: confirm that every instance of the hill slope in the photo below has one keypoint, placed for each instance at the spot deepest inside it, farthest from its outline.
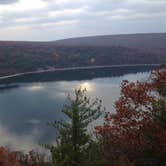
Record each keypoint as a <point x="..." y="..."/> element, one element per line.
<point x="151" y="40"/>
<point x="16" y="57"/>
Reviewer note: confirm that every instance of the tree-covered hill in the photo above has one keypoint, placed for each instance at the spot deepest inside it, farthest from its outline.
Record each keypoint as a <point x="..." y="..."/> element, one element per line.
<point x="16" y="57"/>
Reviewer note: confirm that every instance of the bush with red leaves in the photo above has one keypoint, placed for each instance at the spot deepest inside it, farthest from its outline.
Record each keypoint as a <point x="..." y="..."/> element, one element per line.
<point x="136" y="133"/>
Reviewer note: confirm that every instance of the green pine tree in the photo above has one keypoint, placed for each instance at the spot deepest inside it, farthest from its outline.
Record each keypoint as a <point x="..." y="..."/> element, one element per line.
<point x="74" y="145"/>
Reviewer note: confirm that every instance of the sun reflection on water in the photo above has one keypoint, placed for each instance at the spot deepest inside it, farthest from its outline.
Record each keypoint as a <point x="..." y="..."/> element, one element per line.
<point x="35" y="87"/>
<point x="86" y="85"/>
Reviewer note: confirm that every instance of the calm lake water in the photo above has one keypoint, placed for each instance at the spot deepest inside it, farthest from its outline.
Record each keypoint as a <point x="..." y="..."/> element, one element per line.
<point x="30" y="102"/>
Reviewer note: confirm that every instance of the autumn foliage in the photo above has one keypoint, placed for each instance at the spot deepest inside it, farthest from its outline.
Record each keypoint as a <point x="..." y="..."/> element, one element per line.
<point x="17" y="158"/>
<point x="8" y="158"/>
<point x="136" y="133"/>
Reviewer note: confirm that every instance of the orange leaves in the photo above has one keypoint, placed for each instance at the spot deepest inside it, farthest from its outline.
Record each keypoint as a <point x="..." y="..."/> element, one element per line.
<point x="159" y="81"/>
<point x="159" y="77"/>
<point x="139" y="123"/>
<point x="8" y="158"/>
<point x="136" y="92"/>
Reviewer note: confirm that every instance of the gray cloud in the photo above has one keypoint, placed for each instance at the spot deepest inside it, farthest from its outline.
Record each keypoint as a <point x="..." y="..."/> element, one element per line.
<point x="4" y="2"/>
<point x="66" y="18"/>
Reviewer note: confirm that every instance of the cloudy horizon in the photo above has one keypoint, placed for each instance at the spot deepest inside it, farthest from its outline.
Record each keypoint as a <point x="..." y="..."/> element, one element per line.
<point x="46" y="20"/>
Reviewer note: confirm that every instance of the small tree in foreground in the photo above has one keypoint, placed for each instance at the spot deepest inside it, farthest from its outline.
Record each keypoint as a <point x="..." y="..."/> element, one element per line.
<point x="136" y="133"/>
<point x="74" y="145"/>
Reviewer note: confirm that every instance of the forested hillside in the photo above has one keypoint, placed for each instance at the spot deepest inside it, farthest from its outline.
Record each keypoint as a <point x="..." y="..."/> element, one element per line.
<point x="148" y="41"/>
<point x="16" y="57"/>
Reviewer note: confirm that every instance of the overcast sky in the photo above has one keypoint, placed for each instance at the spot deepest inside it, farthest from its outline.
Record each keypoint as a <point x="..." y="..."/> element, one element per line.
<point x="57" y="19"/>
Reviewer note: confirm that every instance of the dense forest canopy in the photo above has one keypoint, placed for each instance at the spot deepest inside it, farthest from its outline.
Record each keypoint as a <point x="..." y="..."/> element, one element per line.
<point x="17" y="57"/>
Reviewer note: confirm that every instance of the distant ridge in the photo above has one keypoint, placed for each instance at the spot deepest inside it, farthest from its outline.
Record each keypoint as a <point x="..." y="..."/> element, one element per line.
<point x="137" y="40"/>
<point x="140" y="40"/>
<point x="23" y="57"/>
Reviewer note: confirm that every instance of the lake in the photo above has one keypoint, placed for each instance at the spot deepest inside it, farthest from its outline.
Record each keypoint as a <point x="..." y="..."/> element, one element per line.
<point x="27" y="103"/>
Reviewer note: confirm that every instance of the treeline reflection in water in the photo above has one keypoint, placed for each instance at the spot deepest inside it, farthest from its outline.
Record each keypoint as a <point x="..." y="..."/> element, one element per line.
<point x="79" y="74"/>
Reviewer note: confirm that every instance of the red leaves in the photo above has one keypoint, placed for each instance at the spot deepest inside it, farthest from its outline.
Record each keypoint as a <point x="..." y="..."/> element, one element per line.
<point x="136" y="92"/>
<point x="159" y="77"/>
<point x="133" y="128"/>
<point x="159" y="81"/>
<point x="8" y="158"/>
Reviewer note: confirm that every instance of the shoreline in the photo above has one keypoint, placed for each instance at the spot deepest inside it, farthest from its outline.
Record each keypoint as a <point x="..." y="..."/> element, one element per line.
<point x="74" y="68"/>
